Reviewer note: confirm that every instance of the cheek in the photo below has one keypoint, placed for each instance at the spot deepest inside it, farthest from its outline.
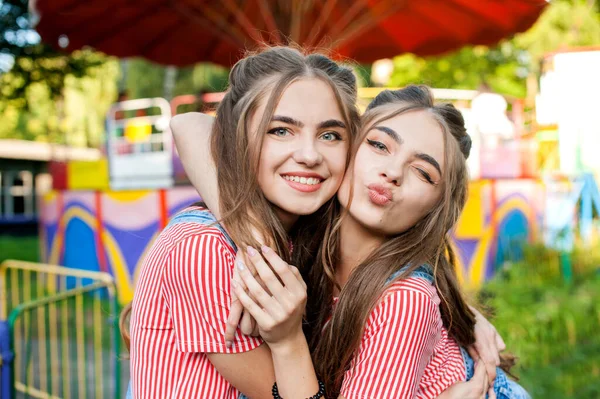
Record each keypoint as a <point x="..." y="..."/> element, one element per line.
<point x="335" y="159"/>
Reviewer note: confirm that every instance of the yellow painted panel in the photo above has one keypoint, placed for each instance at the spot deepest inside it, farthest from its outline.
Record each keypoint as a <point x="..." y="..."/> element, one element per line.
<point x="137" y="133"/>
<point x="471" y="222"/>
<point x="88" y="175"/>
<point x="127" y="196"/>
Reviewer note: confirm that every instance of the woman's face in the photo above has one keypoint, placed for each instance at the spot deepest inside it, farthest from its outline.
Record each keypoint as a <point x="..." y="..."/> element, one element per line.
<point x="303" y="155"/>
<point x="397" y="173"/>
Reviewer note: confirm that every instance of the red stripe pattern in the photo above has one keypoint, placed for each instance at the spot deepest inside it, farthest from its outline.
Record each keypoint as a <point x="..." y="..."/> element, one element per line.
<point x="405" y="350"/>
<point x="179" y="314"/>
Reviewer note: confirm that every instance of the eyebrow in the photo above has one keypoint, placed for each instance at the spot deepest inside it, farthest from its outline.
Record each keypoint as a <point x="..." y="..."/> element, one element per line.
<point x="331" y="123"/>
<point x="390" y="132"/>
<point x="396" y="137"/>
<point x="429" y="159"/>
<point x="323" y="125"/>
<point x="288" y="120"/>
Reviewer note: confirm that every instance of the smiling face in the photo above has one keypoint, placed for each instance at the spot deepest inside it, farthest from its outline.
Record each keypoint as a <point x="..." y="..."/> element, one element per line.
<point x="303" y="155"/>
<point x="397" y="173"/>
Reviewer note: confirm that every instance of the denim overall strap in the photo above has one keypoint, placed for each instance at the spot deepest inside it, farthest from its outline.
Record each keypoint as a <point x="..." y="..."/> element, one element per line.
<point x="504" y="387"/>
<point x="203" y="217"/>
<point x="424" y="271"/>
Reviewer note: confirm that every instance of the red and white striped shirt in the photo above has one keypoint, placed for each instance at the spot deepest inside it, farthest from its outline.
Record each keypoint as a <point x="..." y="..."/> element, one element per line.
<point x="405" y="350"/>
<point x="179" y="314"/>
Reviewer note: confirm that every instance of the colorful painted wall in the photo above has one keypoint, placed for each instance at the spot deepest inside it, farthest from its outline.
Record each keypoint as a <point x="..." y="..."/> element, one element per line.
<point x="111" y="231"/>
<point x="107" y="231"/>
<point x="500" y="215"/>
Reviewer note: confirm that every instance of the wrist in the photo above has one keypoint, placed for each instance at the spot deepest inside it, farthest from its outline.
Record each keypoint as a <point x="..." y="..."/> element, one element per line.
<point x="293" y="344"/>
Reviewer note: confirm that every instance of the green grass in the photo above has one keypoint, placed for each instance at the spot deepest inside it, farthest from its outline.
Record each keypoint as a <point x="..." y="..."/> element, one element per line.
<point x="552" y="326"/>
<point x="19" y="248"/>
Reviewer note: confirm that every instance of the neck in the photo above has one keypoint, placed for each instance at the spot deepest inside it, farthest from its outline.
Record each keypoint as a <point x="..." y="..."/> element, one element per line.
<point x="356" y="244"/>
<point x="287" y="219"/>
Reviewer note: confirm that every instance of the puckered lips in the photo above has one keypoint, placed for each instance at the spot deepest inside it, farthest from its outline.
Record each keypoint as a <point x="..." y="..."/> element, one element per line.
<point x="380" y="195"/>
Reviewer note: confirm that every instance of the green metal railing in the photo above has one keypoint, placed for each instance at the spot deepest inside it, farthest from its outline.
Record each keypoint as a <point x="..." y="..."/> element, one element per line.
<point x="62" y="330"/>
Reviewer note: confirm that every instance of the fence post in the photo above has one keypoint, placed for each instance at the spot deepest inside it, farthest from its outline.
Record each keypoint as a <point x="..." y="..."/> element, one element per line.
<point x="6" y="362"/>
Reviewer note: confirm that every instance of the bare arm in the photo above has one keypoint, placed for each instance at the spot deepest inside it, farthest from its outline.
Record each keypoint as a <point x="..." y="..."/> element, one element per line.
<point x="279" y="317"/>
<point x="249" y="372"/>
<point x="191" y="132"/>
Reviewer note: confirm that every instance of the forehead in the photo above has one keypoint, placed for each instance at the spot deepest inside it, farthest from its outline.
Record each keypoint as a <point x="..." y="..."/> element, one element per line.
<point x="420" y="132"/>
<point x="309" y="100"/>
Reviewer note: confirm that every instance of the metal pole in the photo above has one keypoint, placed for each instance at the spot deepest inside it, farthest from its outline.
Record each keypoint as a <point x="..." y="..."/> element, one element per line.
<point x="7" y="377"/>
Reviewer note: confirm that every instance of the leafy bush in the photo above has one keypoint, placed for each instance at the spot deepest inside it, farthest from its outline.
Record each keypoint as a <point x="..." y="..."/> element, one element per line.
<point x="552" y="326"/>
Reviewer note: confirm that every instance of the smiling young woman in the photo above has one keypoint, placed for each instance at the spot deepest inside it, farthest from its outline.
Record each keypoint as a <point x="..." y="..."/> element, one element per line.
<point x="282" y="134"/>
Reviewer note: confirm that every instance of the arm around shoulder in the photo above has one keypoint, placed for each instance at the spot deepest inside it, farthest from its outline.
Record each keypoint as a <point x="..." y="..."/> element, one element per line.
<point x="192" y="132"/>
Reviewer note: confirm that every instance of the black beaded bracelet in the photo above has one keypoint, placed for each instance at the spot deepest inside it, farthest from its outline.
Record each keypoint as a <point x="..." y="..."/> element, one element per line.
<point x="318" y="395"/>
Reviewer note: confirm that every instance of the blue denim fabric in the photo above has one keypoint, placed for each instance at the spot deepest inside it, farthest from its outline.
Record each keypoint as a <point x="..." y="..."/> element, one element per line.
<point x="129" y="394"/>
<point x="504" y="387"/>
<point x="204" y="217"/>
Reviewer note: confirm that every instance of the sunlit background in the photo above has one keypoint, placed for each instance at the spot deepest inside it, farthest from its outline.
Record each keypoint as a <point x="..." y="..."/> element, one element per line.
<point x="89" y="174"/>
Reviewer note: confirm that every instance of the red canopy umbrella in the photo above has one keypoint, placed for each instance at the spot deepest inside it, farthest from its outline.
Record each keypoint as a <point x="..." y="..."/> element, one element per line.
<point x="183" y="32"/>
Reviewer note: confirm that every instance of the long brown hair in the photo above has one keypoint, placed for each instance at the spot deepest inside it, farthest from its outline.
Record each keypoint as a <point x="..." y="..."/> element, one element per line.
<point x="262" y="78"/>
<point x="334" y="342"/>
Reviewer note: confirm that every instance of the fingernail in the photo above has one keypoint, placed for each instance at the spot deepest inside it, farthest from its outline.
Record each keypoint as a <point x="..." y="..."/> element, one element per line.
<point x="228" y="343"/>
<point x="251" y="251"/>
<point x="265" y="249"/>
<point x="240" y="265"/>
<point x="234" y="283"/>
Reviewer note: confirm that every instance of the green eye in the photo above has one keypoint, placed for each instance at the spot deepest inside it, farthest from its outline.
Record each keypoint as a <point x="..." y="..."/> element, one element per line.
<point x="331" y="136"/>
<point x="279" y="132"/>
<point x="377" y="145"/>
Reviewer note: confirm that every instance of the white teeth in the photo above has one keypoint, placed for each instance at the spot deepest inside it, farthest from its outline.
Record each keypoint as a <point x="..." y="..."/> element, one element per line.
<point x="303" y="180"/>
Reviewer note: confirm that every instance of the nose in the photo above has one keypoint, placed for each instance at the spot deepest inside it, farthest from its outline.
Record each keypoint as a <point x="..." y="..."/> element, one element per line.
<point x="393" y="174"/>
<point x="307" y="153"/>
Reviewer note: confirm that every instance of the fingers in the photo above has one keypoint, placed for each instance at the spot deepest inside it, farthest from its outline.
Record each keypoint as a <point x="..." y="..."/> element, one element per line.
<point x="491" y="392"/>
<point x="235" y="312"/>
<point x="264" y="299"/>
<point x="480" y="380"/>
<point x="252" y="307"/>
<point x="248" y="324"/>
<point x="283" y="270"/>
<point x="291" y="284"/>
<point x="267" y="276"/>
<point x="298" y="276"/>
<point x="500" y="343"/>
<point x="490" y="359"/>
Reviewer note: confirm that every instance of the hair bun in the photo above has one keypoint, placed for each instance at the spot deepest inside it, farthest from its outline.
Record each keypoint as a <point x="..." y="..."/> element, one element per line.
<point x="465" y="145"/>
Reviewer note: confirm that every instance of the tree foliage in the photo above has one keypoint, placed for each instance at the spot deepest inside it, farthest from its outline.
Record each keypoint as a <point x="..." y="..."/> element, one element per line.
<point x="34" y="61"/>
<point x="146" y="79"/>
<point x="45" y="94"/>
<point x="505" y="67"/>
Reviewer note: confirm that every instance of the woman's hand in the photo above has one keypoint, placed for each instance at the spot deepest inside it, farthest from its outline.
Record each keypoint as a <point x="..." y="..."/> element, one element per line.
<point x="237" y="316"/>
<point x="278" y="313"/>
<point x="488" y="344"/>
<point x="475" y="388"/>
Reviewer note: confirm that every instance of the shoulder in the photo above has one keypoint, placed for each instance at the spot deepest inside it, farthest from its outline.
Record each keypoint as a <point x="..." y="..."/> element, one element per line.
<point x="408" y="300"/>
<point x="195" y="239"/>
<point x="414" y="285"/>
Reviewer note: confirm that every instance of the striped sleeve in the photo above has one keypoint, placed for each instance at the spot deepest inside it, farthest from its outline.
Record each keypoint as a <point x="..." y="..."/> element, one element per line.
<point x="196" y="287"/>
<point x="397" y="343"/>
